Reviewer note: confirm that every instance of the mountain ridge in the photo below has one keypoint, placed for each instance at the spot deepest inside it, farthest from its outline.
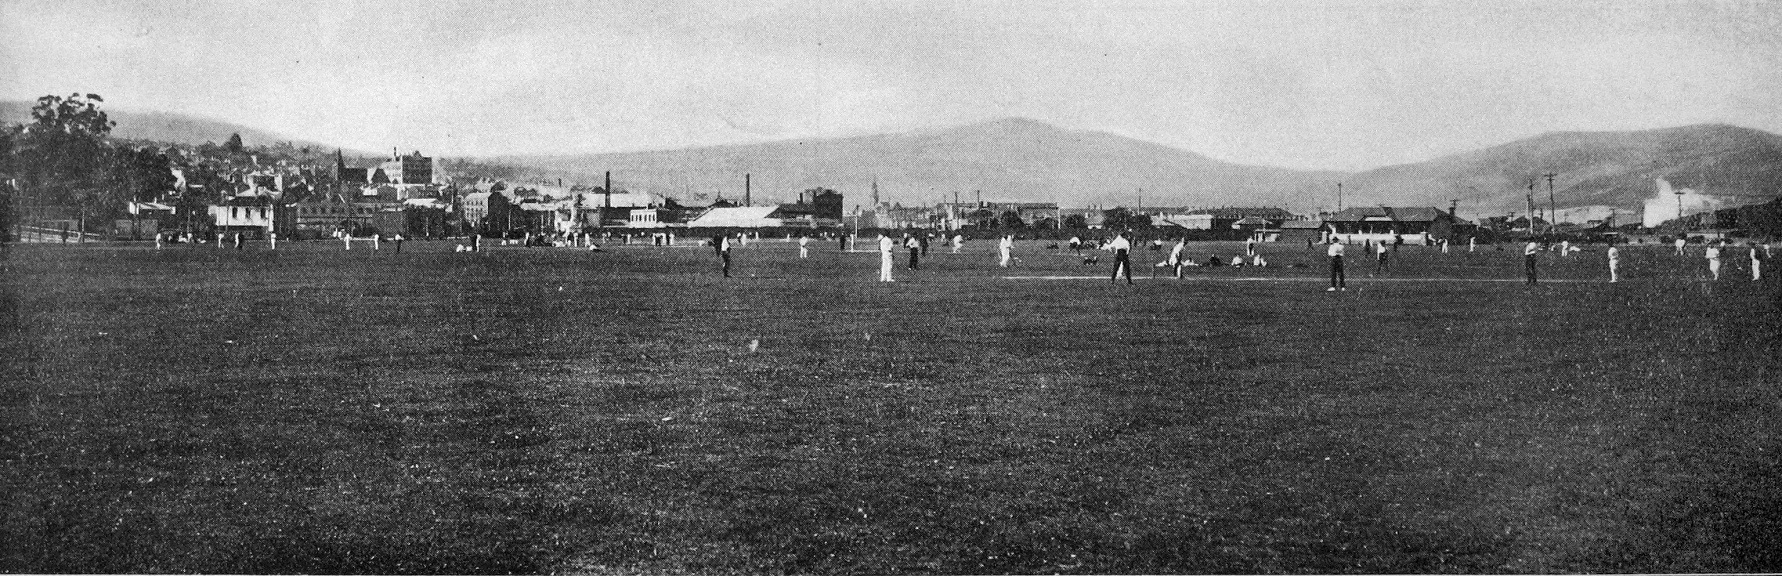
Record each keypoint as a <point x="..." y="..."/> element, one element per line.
<point x="1010" y="159"/>
<point x="1616" y="169"/>
<point x="1015" y="158"/>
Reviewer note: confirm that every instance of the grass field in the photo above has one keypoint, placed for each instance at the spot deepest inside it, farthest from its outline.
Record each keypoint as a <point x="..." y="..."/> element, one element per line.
<point x="548" y="410"/>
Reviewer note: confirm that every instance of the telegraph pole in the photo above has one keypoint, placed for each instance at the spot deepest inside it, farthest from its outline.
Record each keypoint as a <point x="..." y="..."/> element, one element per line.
<point x="1339" y="196"/>
<point x="1552" y="210"/>
<point x="1531" y="213"/>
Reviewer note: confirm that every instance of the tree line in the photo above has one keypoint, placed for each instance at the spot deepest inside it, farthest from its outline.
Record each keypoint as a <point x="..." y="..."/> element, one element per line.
<point x="64" y="157"/>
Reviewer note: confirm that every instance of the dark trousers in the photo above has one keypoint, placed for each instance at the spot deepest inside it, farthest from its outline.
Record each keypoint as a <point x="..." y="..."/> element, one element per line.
<point x="726" y="256"/>
<point x="913" y="253"/>
<point x="1381" y="265"/>
<point x="1529" y="265"/>
<point x="398" y="246"/>
<point x="1337" y="280"/>
<point x="1122" y="262"/>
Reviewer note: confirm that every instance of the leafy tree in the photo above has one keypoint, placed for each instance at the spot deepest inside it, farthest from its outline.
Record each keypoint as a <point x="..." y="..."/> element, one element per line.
<point x="233" y="146"/>
<point x="1075" y="221"/>
<point x="1011" y="220"/>
<point x="6" y="172"/>
<point x="140" y="175"/>
<point x="1121" y="219"/>
<point x="982" y="217"/>
<point x="61" y="156"/>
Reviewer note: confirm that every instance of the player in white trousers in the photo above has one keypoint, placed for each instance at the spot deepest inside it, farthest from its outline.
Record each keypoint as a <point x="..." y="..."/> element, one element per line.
<point x="1007" y="248"/>
<point x="887" y="257"/>
<point x="1757" y="256"/>
<point x="1175" y="256"/>
<point x="804" y="246"/>
<point x="1713" y="256"/>
<point x="1614" y="263"/>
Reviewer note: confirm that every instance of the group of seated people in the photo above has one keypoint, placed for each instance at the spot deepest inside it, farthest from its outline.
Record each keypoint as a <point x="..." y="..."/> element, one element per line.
<point x="1214" y="261"/>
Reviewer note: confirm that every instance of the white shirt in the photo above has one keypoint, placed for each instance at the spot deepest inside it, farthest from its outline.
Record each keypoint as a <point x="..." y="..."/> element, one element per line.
<point x="1614" y="253"/>
<point x="1531" y="249"/>
<point x="1007" y="243"/>
<point x="1712" y="253"/>
<point x="912" y="243"/>
<point x="1119" y="244"/>
<point x="1335" y="250"/>
<point x="886" y="245"/>
<point x="804" y="241"/>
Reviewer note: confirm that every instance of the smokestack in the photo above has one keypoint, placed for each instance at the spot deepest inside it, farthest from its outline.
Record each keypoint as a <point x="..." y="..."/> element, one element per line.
<point x="746" y="199"/>
<point x="609" y="193"/>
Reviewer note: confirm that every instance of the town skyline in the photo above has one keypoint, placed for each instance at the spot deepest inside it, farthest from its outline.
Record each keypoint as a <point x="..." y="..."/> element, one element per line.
<point x="1289" y="84"/>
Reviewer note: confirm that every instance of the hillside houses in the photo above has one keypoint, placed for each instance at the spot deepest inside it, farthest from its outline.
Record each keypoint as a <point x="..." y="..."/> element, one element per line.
<point x="409" y="194"/>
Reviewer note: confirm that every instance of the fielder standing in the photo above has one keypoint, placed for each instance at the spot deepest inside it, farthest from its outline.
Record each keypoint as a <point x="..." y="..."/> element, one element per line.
<point x="1614" y="263"/>
<point x="886" y="258"/>
<point x="1175" y="256"/>
<point x="1713" y="256"/>
<point x="724" y="253"/>
<point x="1529" y="253"/>
<point x="1337" y="279"/>
<point x="1757" y="257"/>
<point x="1121" y="247"/>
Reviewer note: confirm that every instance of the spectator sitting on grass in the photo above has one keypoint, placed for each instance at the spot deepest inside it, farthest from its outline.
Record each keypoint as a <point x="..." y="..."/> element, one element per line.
<point x="1213" y="261"/>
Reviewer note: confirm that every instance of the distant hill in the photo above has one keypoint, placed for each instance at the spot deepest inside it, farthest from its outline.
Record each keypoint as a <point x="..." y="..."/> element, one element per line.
<point x="1609" y="169"/>
<point x="1011" y="159"/>
<point x="168" y="127"/>
<point x="1022" y="160"/>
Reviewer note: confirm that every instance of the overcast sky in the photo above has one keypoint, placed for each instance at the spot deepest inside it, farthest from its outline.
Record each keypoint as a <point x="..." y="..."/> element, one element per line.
<point x="1348" y="85"/>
